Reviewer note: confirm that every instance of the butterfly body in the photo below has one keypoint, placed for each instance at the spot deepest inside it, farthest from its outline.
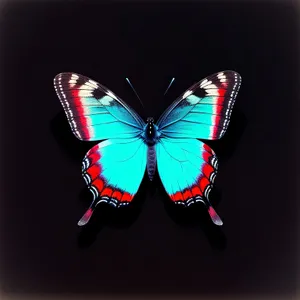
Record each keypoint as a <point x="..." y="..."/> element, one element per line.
<point x="114" y="168"/>
<point x="151" y="136"/>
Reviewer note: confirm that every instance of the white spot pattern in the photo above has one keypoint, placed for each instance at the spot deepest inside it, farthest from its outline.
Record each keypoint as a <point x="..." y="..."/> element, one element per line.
<point x="63" y="99"/>
<point x="232" y="96"/>
<point x="187" y="93"/>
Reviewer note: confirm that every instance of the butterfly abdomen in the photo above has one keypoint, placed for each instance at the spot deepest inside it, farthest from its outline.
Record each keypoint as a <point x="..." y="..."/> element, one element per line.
<point x="151" y="161"/>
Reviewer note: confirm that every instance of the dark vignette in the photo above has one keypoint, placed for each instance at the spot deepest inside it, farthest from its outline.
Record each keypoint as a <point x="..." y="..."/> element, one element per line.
<point x="42" y="249"/>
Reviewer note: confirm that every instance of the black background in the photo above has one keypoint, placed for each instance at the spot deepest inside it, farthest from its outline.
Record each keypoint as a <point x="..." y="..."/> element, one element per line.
<point x="150" y="247"/>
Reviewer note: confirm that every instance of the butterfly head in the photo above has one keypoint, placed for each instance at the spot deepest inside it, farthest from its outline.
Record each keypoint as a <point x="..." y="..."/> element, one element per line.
<point x="150" y="120"/>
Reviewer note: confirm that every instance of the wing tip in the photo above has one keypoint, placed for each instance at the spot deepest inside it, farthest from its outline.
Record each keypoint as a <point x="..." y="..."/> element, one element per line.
<point x="214" y="216"/>
<point x="64" y="74"/>
<point x="85" y="218"/>
<point x="228" y="71"/>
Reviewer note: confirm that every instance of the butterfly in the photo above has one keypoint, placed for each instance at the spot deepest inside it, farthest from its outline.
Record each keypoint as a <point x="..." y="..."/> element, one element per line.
<point x="114" y="168"/>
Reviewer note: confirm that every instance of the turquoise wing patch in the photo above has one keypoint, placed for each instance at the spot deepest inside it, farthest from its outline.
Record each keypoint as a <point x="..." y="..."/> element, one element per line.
<point x="113" y="171"/>
<point x="187" y="168"/>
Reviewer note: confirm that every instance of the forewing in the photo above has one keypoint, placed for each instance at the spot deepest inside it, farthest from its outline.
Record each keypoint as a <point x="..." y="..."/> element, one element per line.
<point x="204" y="110"/>
<point x="93" y="111"/>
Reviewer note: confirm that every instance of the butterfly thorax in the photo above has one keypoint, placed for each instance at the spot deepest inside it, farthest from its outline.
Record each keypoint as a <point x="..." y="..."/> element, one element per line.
<point x="151" y="133"/>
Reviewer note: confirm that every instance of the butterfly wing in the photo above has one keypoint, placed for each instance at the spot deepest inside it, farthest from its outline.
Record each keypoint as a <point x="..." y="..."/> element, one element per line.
<point x="114" y="168"/>
<point x="187" y="168"/>
<point x="93" y="111"/>
<point x="204" y="110"/>
<point x="113" y="171"/>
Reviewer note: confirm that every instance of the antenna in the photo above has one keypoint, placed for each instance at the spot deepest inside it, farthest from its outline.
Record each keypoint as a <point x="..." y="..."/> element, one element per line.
<point x="134" y="91"/>
<point x="169" y="85"/>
